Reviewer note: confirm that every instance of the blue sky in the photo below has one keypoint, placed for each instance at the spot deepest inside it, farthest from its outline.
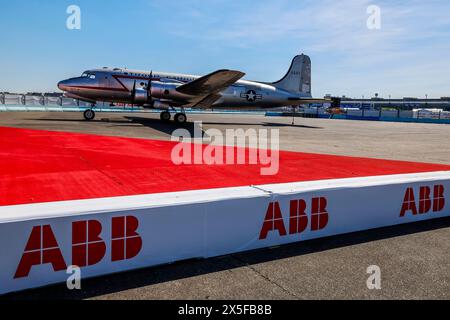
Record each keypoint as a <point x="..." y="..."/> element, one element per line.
<point x="408" y="56"/>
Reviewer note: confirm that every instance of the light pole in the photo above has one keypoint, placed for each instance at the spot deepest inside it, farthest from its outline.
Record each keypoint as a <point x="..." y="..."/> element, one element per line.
<point x="426" y="100"/>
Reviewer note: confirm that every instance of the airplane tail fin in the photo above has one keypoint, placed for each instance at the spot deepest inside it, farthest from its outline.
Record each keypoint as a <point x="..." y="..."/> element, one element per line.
<point x="298" y="78"/>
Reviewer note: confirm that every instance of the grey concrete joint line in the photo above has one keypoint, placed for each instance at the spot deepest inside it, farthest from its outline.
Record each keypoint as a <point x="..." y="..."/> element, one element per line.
<point x="266" y="277"/>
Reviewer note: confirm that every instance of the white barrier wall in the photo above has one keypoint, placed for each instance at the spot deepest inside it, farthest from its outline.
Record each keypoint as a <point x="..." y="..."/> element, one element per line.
<point x="52" y="101"/>
<point x="69" y="102"/>
<point x="39" y="241"/>
<point x="34" y="100"/>
<point x="13" y="99"/>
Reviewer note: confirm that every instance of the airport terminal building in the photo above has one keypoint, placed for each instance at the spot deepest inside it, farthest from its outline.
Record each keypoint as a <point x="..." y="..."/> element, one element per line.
<point x="406" y="103"/>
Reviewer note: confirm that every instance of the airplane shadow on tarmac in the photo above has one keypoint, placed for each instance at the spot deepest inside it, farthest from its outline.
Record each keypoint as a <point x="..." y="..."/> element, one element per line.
<point x="156" y="124"/>
<point x="164" y="127"/>
<point x="169" y="127"/>
<point x="197" y="267"/>
<point x="264" y="124"/>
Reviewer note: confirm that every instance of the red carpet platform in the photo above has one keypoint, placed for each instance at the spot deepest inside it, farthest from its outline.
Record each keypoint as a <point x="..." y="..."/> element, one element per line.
<point x="44" y="166"/>
<point x="111" y="204"/>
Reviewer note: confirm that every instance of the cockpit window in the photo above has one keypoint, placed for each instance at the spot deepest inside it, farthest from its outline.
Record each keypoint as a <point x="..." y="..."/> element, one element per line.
<point x="88" y="75"/>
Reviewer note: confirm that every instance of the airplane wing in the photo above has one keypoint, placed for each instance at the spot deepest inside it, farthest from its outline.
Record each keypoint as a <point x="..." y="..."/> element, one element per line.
<point x="204" y="102"/>
<point x="211" y="83"/>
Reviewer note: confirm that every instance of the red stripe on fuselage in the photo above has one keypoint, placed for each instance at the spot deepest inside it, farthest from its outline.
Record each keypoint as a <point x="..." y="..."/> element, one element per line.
<point x="100" y="88"/>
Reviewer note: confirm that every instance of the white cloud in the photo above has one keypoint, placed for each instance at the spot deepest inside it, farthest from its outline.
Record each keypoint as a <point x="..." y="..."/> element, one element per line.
<point x="412" y="47"/>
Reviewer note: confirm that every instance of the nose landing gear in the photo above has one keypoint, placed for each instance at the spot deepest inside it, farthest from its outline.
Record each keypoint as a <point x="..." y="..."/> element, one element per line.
<point x="89" y="114"/>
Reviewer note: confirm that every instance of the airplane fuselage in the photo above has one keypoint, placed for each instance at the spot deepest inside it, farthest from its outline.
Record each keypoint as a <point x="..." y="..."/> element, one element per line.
<point x="115" y="85"/>
<point x="166" y="91"/>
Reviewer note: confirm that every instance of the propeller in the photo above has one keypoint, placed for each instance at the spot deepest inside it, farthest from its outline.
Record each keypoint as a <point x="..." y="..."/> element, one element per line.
<point x="133" y="93"/>
<point x="149" y="89"/>
<point x="149" y="86"/>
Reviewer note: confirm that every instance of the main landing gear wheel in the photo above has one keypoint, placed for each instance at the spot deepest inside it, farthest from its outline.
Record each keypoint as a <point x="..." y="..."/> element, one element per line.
<point x="165" y="116"/>
<point x="180" y="118"/>
<point x="89" y="114"/>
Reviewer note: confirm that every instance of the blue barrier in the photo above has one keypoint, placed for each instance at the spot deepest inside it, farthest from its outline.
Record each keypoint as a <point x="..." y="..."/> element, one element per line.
<point x="274" y="114"/>
<point x="338" y="116"/>
<point x="361" y="118"/>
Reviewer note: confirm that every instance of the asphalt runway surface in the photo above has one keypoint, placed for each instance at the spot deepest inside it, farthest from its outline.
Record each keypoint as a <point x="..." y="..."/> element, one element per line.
<point x="414" y="258"/>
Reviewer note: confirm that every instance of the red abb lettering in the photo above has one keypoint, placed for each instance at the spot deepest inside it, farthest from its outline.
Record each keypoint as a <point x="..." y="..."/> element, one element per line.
<point x="409" y="202"/>
<point x="438" y="198"/>
<point x="424" y="201"/>
<point x="319" y="214"/>
<point x="41" y="248"/>
<point x="126" y="242"/>
<point x="87" y="246"/>
<point x="273" y="221"/>
<point x="298" y="219"/>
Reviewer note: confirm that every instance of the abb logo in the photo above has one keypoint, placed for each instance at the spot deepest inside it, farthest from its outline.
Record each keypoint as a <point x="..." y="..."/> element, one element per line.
<point x="425" y="201"/>
<point x="88" y="248"/>
<point x="298" y="219"/>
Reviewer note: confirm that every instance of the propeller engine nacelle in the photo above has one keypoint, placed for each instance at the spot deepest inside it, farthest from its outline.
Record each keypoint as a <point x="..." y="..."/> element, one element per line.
<point x="162" y="90"/>
<point x="155" y="90"/>
<point x="141" y="96"/>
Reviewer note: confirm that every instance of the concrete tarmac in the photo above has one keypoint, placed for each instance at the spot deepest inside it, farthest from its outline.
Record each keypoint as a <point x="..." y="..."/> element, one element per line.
<point x="414" y="259"/>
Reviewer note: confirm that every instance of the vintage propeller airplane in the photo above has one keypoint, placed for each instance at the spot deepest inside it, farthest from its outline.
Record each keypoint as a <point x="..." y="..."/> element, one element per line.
<point x="169" y="91"/>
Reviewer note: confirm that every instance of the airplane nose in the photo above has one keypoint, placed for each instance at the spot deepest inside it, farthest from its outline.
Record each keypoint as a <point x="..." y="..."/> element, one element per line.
<point x="62" y="85"/>
<point x="66" y="85"/>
